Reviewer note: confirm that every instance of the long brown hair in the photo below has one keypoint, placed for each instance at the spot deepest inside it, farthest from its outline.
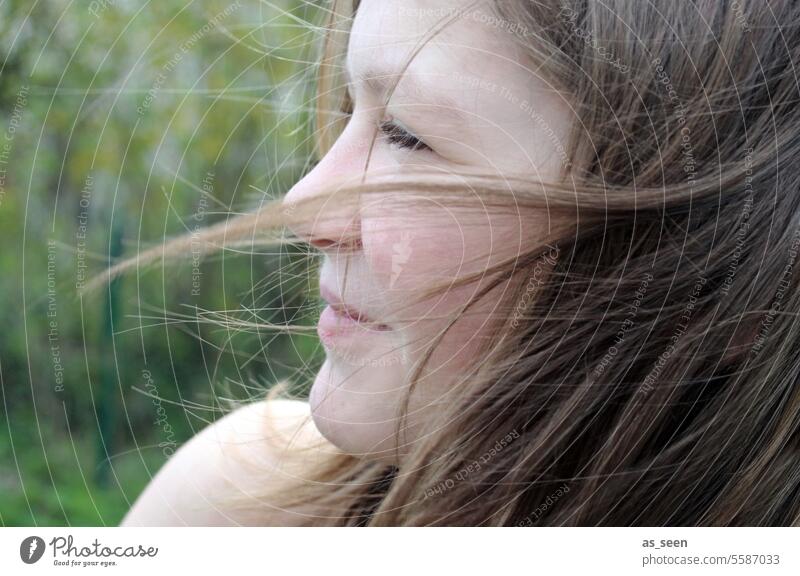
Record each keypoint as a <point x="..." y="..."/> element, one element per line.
<point x="653" y="379"/>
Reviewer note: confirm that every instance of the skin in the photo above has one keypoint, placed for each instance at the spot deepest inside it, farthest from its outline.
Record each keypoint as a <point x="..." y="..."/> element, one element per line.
<point x="469" y="95"/>
<point x="392" y="247"/>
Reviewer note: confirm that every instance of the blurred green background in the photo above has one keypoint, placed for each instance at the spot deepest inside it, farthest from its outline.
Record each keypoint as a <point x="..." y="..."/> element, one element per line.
<point x="123" y="124"/>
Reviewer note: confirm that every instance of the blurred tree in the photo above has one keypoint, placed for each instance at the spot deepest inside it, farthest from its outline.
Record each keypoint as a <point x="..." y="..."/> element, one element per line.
<point x="161" y="117"/>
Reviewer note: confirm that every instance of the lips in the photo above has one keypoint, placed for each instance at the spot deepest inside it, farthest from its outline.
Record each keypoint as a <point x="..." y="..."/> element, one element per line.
<point x="343" y="309"/>
<point x="340" y="319"/>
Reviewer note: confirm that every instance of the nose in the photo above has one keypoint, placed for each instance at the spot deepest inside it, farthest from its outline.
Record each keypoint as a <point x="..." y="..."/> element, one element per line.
<point x="333" y="220"/>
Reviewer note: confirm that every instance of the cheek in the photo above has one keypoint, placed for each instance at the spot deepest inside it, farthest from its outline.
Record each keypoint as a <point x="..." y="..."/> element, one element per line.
<point x="405" y="250"/>
<point x="410" y="249"/>
<point x="409" y="252"/>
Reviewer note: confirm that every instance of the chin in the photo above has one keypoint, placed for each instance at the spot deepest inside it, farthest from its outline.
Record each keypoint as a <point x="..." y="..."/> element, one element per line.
<point x="350" y="420"/>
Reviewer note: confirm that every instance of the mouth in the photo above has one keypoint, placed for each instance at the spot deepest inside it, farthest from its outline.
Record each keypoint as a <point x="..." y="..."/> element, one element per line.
<point x="340" y="319"/>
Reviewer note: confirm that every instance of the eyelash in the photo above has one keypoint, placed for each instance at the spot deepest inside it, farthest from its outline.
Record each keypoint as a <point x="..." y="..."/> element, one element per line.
<point x="398" y="136"/>
<point x="395" y="134"/>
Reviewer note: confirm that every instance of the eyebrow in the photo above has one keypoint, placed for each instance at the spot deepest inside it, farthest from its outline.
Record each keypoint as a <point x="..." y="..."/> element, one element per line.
<point x="379" y="83"/>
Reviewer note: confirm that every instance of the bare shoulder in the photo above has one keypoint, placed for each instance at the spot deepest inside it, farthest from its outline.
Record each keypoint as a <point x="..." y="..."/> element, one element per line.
<point x="237" y="456"/>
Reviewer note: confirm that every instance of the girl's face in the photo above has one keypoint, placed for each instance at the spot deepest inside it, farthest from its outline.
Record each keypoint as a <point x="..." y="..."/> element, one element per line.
<point x="467" y="101"/>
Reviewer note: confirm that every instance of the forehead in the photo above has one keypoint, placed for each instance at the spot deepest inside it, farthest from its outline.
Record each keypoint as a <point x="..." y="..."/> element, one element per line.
<point x="460" y="66"/>
<point x="442" y="37"/>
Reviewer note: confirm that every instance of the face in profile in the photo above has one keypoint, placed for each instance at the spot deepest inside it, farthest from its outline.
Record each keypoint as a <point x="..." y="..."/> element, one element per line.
<point x="466" y="101"/>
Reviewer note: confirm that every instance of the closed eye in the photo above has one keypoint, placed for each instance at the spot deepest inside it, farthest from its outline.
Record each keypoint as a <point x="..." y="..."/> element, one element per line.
<point x="398" y="136"/>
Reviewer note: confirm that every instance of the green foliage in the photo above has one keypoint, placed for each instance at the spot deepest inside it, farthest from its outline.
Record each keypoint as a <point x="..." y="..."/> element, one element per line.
<point x="126" y="124"/>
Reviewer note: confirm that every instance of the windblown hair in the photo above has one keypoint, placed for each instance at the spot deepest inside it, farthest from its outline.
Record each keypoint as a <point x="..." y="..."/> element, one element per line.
<point x="655" y="377"/>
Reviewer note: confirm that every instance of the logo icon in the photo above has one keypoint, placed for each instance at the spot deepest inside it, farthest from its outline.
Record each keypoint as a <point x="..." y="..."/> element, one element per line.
<point x="31" y="549"/>
<point x="401" y="254"/>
